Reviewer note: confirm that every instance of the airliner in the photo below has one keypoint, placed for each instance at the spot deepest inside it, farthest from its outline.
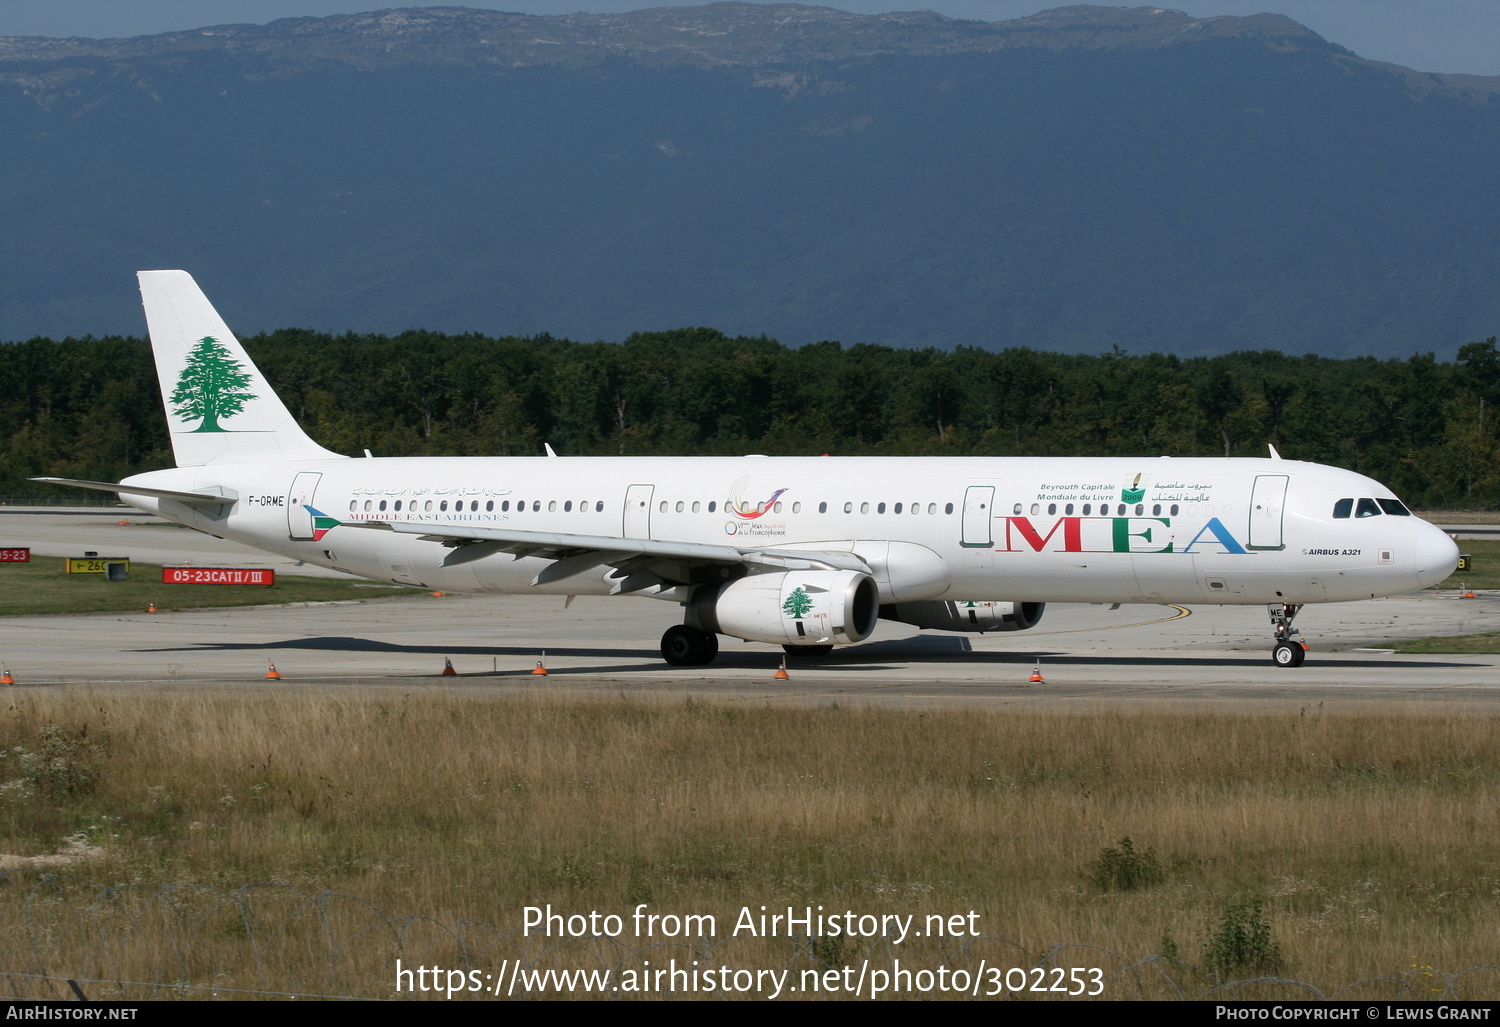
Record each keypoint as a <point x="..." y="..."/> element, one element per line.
<point x="805" y="552"/>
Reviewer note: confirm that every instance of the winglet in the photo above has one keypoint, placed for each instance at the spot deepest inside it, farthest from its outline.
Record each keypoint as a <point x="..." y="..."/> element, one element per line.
<point x="1274" y="455"/>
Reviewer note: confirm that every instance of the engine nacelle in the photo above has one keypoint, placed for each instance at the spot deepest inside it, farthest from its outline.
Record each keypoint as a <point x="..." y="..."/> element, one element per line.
<point x="790" y="607"/>
<point x="974" y="617"/>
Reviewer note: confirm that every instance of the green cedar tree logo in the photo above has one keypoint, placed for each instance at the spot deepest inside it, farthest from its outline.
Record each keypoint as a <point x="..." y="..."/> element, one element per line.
<point x="212" y="386"/>
<point x="797" y="604"/>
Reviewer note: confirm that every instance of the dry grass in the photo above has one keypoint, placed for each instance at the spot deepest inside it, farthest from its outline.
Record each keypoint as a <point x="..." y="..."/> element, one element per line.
<point x="1368" y="834"/>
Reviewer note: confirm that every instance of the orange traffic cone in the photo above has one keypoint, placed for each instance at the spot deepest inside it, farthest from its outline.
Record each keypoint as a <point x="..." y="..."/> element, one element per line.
<point x="539" y="669"/>
<point x="123" y="524"/>
<point x="448" y="670"/>
<point x="437" y="595"/>
<point x="273" y="674"/>
<point x="150" y="607"/>
<point x="781" y="674"/>
<point x="1036" y="673"/>
<point x="1468" y="592"/>
<point x="5" y="678"/>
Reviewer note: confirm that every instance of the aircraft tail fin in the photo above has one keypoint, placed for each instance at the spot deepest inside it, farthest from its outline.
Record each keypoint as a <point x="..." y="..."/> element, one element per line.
<point x="220" y="408"/>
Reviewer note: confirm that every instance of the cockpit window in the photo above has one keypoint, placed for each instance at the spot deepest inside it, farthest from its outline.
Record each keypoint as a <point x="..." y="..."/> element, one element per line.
<point x="1367" y="508"/>
<point x="1343" y="508"/>
<point x="1393" y="507"/>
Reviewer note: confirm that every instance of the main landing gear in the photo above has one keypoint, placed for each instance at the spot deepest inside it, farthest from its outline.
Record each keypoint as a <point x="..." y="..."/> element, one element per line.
<point x="683" y="646"/>
<point x="1288" y="652"/>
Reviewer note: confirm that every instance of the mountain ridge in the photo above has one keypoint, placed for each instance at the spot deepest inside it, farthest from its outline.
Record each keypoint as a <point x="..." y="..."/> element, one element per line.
<point x="1077" y="180"/>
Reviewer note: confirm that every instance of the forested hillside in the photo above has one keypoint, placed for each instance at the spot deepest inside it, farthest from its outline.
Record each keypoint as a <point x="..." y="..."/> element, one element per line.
<point x="89" y="408"/>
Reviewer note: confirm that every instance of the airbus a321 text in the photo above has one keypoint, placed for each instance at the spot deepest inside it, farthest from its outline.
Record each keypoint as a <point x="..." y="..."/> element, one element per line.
<point x="807" y="552"/>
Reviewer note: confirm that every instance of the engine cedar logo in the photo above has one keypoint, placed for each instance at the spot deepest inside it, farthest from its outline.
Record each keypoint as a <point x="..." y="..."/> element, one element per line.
<point x="798" y="604"/>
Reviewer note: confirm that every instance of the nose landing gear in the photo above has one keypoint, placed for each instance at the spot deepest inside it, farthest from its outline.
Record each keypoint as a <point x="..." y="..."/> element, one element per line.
<point x="1287" y="652"/>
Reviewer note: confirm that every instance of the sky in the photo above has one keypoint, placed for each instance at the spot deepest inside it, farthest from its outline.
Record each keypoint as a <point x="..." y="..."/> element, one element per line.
<point x="1428" y="35"/>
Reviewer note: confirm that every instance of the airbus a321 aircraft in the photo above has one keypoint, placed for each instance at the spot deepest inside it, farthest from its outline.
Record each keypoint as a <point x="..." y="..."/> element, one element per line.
<point x="807" y="552"/>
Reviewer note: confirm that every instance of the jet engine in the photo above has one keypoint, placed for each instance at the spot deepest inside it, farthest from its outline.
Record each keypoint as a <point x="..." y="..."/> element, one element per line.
<point x="973" y="617"/>
<point x="790" y="607"/>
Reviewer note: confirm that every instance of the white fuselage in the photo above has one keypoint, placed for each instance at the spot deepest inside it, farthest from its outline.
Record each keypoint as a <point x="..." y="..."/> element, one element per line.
<point x="1124" y="530"/>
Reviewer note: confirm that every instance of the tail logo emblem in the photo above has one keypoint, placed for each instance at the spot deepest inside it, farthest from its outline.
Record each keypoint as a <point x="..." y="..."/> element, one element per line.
<point x="213" y="385"/>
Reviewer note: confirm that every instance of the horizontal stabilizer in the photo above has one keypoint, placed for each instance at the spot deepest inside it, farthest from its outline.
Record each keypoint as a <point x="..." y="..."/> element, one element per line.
<point x="190" y="498"/>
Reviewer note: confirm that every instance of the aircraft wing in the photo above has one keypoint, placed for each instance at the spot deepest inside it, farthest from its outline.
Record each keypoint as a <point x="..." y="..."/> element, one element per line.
<point x="639" y="563"/>
<point x="221" y="498"/>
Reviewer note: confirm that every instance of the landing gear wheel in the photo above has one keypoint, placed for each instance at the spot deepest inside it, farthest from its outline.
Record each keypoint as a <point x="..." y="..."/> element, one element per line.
<point x="806" y="650"/>
<point x="1288" y="654"/>
<point x="683" y="646"/>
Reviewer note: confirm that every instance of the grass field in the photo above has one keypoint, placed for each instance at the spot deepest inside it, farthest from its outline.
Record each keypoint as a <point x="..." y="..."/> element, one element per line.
<point x="298" y="841"/>
<point x="43" y="586"/>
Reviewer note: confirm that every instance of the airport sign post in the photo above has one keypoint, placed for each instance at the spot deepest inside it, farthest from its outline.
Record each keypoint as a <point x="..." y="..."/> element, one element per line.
<point x="115" y="568"/>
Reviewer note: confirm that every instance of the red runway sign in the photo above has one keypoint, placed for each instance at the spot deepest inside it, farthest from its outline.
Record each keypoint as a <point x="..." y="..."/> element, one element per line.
<point x="217" y="576"/>
<point x="22" y="555"/>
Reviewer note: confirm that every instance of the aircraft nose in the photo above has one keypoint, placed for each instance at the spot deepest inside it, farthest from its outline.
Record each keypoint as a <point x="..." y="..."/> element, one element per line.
<point x="1437" y="556"/>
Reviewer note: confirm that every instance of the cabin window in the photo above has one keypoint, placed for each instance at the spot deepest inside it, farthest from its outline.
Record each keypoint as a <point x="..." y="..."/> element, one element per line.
<point x="1140" y="509"/>
<point x="1068" y="510"/>
<point x="1367" y="508"/>
<point x="680" y="506"/>
<point x="711" y="505"/>
<point x="864" y="508"/>
<point x="1051" y="509"/>
<point x="398" y="506"/>
<point x="1088" y="508"/>
<point x="1173" y="511"/>
<point x="1156" y="510"/>
<point x="848" y="508"/>
<point x="427" y="507"/>
<point x="796" y="508"/>
<point x="822" y="508"/>
<point x="568" y="506"/>
<point x="1017" y="510"/>
<point x="932" y="508"/>
<point x="896" y="508"/>
<point x="916" y="508"/>
<point x="948" y="508"/>
<point x="695" y="506"/>
<point x="599" y="506"/>
<point x="880" y="508"/>
<point x="505" y="506"/>
<point x="1393" y="507"/>
<point x="1036" y="508"/>
<point x="382" y="506"/>
<point x="778" y="508"/>
<point x="552" y="506"/>
<point x="353" y="505"/>
<point x="663" y="507"/>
